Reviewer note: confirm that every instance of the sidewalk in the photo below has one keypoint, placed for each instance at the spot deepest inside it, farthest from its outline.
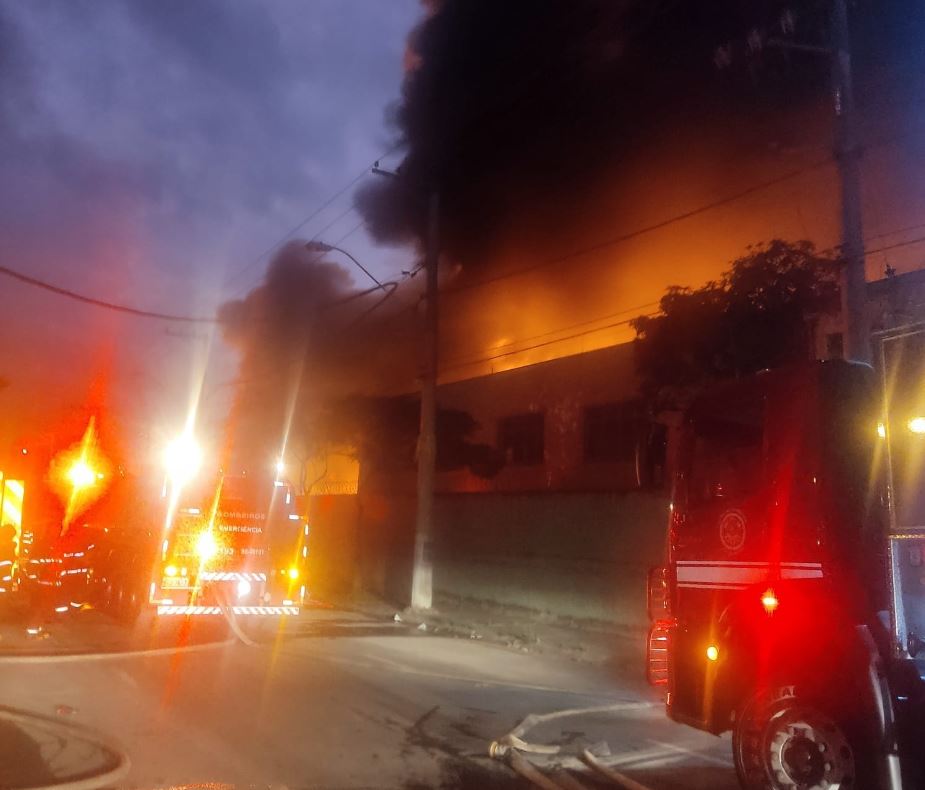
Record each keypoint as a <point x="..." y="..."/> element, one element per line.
<point x="520" y="629"/>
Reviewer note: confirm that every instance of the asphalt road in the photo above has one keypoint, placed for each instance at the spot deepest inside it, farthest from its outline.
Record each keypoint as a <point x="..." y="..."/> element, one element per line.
<point x="331" y="700"/>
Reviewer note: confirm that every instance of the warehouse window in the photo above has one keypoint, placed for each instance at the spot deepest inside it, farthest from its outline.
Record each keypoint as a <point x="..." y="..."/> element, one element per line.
<point x="611" y="432"/>
<point x="521" y="438"/>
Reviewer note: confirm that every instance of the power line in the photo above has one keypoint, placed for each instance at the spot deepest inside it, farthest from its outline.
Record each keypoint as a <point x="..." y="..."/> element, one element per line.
<point x="897" y="231"/>
<point x="648" y="229"/>
<point x="450" y="289"/>
<point x="320" y="254"/>
<point x="119" y="308"/>
<point x="289" y="234"/>
<point x="460" y="360"/>
<point x="493" y="357"/>
<point x="457" y="362"/>
<point x="152" y="314"/>
<point x="467" y="363"/>
<point x="601" y="245"/>
<point x="392" y="287"/>
<point x="887" y="247"/>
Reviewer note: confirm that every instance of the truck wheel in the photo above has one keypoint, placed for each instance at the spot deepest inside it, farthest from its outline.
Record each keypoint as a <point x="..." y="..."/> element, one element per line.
<point x="105" y="602"/>
<point x="782" y="741"/>
<point x="130" y="606"/>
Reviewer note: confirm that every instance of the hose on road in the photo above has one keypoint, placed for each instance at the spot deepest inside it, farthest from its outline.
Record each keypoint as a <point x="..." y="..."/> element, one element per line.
<point x="527" y="770"/>
<point x="515" y="739"/>
<point x="109" y="777"/>
<point x="508" y="748"/>
<point x="232" y="620"/>
<point x="620" y="780"/>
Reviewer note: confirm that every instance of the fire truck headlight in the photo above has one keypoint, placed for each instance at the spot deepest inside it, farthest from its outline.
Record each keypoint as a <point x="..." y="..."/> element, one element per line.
<point x="917" y="425"/>
<point x="81" y="475"/>
<point x="293" y="573"/>
<point x="171" y="570"/>
<point x="244" y="587"/>
<point x="712" y="652"/>
<point x="881" y="430"/>
<point x="206" y="546"/>
<point x="183" y="457"/>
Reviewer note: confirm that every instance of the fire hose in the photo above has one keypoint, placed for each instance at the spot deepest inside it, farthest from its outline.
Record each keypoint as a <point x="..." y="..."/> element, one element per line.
<point x="231" y="618"/>
<point x="509" y="749"/>
<point x="107" y="777"/>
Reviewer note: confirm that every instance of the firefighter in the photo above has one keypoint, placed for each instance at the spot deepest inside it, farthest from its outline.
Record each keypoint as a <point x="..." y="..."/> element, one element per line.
<point x="8" y="554"/>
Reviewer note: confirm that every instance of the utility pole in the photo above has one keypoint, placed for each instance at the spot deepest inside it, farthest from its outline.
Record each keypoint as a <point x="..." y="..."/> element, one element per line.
<point x="847" y="155"/>
<point x="422" y="587"/>
<point x="422" y="574"/>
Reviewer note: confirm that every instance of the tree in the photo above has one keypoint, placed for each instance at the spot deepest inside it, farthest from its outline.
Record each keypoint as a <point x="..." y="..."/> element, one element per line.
<point x="759" y="314"/>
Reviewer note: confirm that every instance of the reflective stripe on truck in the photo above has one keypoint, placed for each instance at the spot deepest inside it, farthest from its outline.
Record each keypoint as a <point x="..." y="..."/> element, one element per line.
<point x="165" y="609"/>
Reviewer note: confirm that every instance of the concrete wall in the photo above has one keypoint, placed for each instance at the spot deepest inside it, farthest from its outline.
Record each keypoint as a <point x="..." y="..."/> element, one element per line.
<point x="386" y="544"/>
<point x="570" y="555"/>
<point x="333" y="545"/>
<point x="566" y="536"/>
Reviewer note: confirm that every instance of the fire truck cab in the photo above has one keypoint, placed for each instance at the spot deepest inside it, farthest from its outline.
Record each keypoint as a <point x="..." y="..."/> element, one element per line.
<point x="775" y="614"/>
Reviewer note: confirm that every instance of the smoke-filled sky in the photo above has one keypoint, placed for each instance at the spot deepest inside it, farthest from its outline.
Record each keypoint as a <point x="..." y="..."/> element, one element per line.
<point x="151" y="151"/>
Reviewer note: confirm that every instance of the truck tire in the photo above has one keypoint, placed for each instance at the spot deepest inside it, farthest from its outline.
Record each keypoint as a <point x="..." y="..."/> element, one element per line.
<point x="131" y="604"/>
<point x="784" y="741"/>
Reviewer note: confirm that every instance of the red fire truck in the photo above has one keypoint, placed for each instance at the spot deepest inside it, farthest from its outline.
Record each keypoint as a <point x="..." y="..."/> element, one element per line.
<point x="791" y="607"/>
<point x="12" y="541"/>
<point x="235" y="544"/>
<point x="65" y="506"/>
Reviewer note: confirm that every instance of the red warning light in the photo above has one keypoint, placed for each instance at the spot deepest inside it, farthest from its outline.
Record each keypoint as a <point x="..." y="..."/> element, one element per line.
<point x="769" y="601"/>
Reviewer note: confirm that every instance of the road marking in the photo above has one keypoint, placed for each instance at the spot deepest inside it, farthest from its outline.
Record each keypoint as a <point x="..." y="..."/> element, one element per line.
<point x="405" y="670"/>
<point x="697" y="755"/>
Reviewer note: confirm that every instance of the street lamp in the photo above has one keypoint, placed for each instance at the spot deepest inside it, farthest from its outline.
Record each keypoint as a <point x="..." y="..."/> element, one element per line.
<point x="321" y="247"/>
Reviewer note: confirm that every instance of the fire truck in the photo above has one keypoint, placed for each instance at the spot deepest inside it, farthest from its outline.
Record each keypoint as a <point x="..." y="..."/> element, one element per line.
<point x="235" y="544"/>
<point x="59" y="507"/>
<point x="12" y="541"/>
<point x="791" y="606"/>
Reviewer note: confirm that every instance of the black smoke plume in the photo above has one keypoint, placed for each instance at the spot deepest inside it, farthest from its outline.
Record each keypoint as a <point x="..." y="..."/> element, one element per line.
<point x="308" y="338"/>
<point x="519" y="113"/>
